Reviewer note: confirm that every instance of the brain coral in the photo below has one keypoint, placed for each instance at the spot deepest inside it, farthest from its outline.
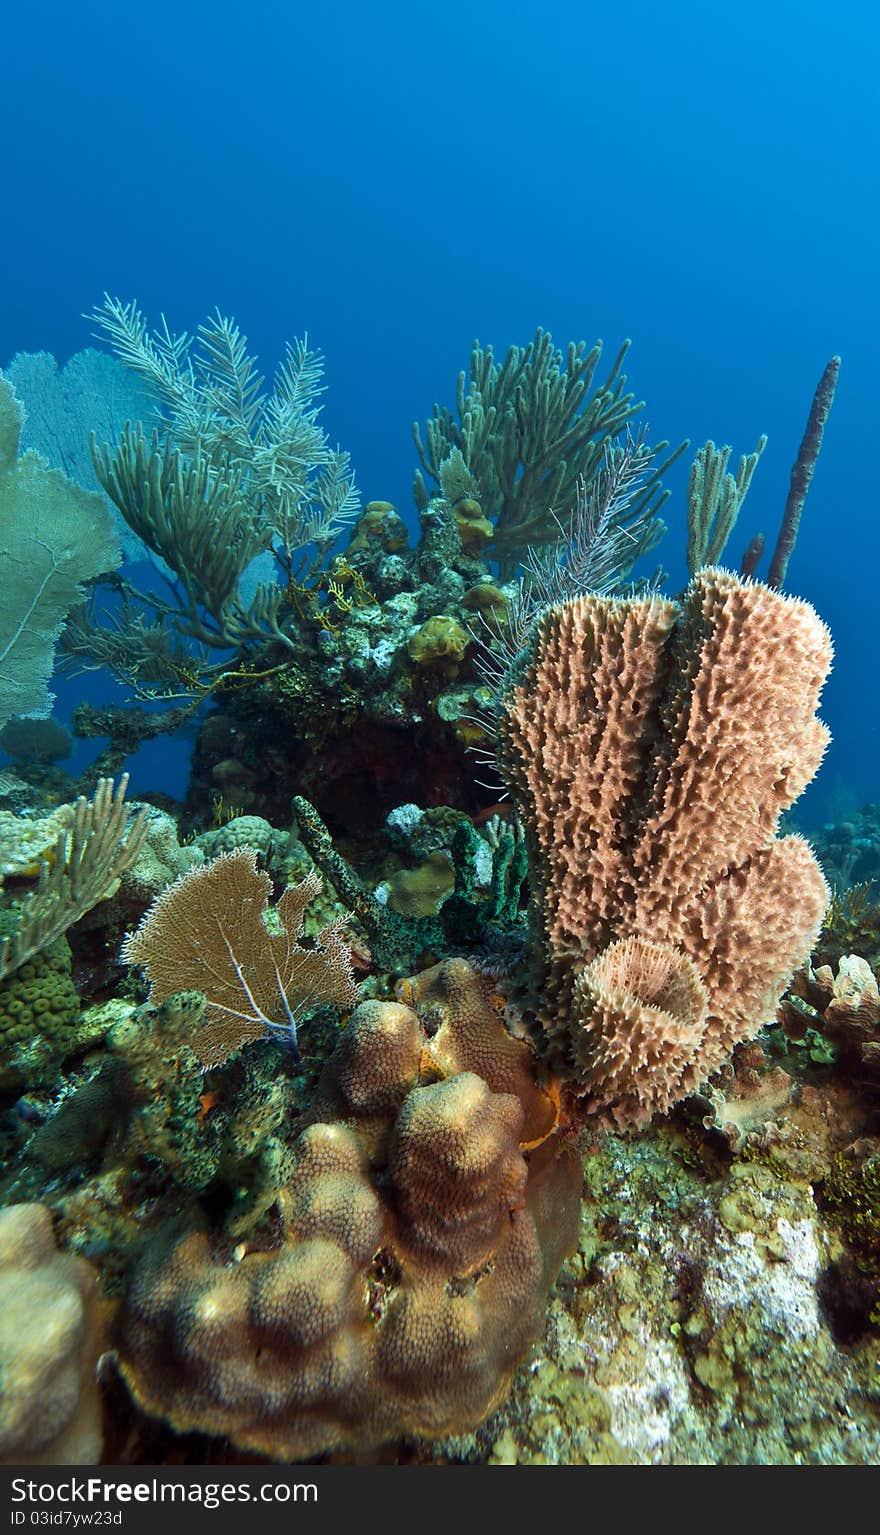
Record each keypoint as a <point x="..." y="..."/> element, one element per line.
<point x="39" y="998"/>
<point x="39" y="1016"/>
<point x="409" y="1273"/>
<point x="50" y="1340"/>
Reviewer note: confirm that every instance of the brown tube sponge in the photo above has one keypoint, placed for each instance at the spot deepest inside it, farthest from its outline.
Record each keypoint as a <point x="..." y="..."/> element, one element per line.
<point x="651" y="749"/>
<point x="643" y="1009"/>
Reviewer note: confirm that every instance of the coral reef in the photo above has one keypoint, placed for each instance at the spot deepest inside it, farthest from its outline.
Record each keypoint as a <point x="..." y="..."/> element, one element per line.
<point x="409" y="1273"/>
<point x="851" y="926"/>
<point x="488" y="872"/>
<point x="651" y="750"/>
<point x="147" y="1104"/>
<point x="850" y="1196"/>
<point x="160" y="859"/>
<point x="136" y="1125"/>
<point x="850" y="848"/>
<point x="86" y="863"/>
<point x="368" y="706"/>
<point x="51" y="1335"/>
<point x="327" y="1176"/>
<point x="27" y="840"/>
<point x="706" y="1318"/>
<point x="844" y="1005"/>
<point x="244" y="831"/>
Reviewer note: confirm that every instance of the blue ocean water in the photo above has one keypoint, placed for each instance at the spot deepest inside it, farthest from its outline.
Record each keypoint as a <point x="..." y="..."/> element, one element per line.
<point x="396" y="180"/>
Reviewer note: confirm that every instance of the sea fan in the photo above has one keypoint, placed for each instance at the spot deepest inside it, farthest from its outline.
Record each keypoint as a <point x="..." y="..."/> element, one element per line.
<point x="209" y="932"/>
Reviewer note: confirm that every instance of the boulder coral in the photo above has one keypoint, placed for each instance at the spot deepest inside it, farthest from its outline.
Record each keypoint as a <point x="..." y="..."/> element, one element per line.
<point x="51" y="1335"/>
<point x="408" y="1271"/>
<point x="651" y="749"/>
<point x="843" y="1005"/>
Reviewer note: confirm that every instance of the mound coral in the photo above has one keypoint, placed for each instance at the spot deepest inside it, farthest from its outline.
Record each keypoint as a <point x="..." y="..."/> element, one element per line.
<point x="51" y="1335"/>
<point x="844" y="1006"/>
<point x="39" y="1014"/>
<point x="409" y="1272"/>
<point x="651" y="750"/>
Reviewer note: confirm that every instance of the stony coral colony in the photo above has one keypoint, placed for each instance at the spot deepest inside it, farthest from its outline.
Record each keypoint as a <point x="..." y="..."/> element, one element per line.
<point x="314" y="1084"/>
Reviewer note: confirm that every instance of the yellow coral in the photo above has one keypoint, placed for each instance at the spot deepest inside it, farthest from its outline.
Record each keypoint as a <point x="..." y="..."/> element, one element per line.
<point x="474" y="529"/>
<point x="439" y="641"/>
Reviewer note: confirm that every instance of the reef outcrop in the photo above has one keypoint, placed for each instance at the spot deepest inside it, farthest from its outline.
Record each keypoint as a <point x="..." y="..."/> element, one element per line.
<point x="405" y="1270"/>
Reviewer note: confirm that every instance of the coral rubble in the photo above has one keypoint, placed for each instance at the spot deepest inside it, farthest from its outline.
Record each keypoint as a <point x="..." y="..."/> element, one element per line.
<point x="705" y="1318"/>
